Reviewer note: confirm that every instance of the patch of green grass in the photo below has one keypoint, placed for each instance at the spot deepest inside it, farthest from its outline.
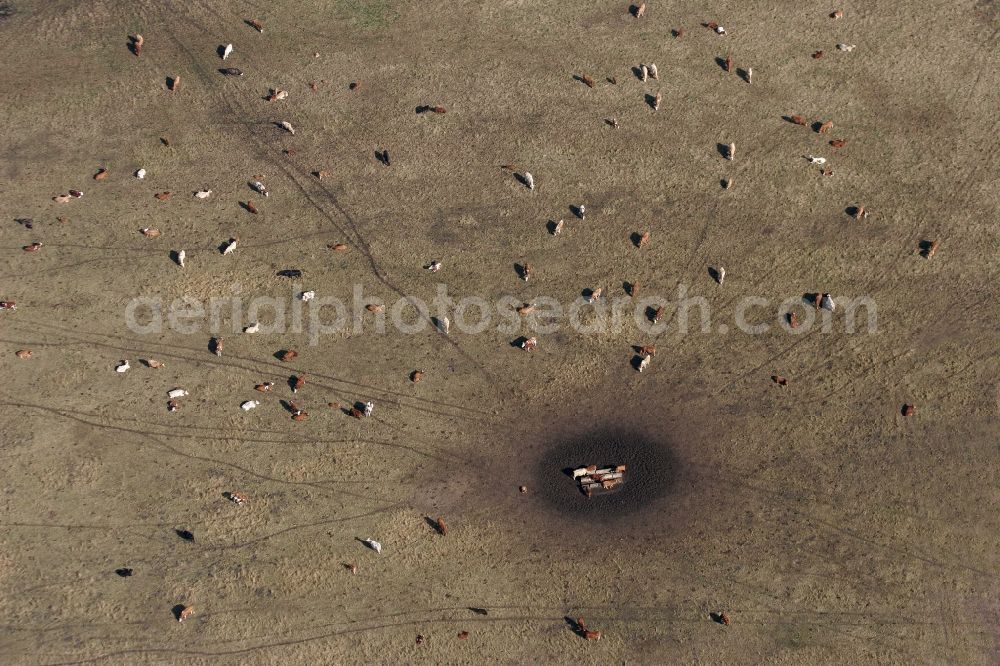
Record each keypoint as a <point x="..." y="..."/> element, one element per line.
<point x="368" y="14"/>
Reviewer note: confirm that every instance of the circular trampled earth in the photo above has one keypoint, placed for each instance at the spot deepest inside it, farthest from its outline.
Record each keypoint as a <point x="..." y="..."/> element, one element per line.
<point x="652" y="470"/>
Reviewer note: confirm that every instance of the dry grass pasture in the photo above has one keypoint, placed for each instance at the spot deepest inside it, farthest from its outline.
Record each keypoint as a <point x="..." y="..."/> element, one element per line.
<point x="828" y="526"/>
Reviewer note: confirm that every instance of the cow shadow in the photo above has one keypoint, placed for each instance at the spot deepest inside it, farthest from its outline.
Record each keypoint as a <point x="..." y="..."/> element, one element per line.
<point x="518" y="343"/>
<point x="433" y="524"/>
<point x="576" y="626"/>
